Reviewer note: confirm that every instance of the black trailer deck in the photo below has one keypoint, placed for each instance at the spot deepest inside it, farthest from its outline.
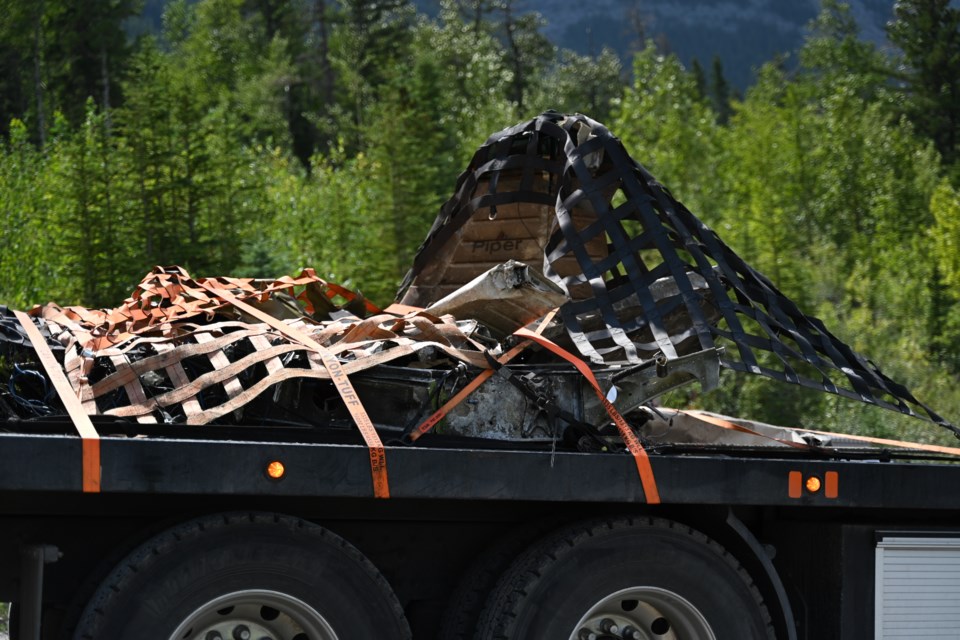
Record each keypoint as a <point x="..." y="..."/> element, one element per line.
<point x="746" y="477"/>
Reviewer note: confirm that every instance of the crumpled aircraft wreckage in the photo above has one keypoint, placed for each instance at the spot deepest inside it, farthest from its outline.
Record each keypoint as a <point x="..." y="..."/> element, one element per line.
<point x="560" y="290"/>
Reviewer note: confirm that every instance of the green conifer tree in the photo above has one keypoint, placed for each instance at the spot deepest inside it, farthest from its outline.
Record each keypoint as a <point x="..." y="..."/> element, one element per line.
<point x="928" y="34"/>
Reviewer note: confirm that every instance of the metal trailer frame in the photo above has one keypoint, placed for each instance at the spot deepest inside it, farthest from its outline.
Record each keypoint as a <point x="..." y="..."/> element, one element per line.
<point x="736" y="490"/>
<point x="234" y="467"/>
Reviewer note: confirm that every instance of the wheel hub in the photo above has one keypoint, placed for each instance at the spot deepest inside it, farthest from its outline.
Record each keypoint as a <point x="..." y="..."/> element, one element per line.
<point x="255" y="615"/>
<point x="643" y="613"/>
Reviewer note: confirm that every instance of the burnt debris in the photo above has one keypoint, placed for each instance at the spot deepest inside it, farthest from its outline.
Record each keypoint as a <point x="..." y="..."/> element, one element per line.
<point x="561" y="192"/>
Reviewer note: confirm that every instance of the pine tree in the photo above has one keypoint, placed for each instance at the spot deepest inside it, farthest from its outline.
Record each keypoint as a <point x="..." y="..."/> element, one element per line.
<point x="720" y="92"/>
<point x="928" y="34"/>
<point x="22" y="82"/>
<point x="833" y="54"/>
<point x="527" y="50"/>
<point x="578" y="83"/>
<point x="699" y="78"/>
<point x="475" y="12"/>
<point x="86" y="52"/>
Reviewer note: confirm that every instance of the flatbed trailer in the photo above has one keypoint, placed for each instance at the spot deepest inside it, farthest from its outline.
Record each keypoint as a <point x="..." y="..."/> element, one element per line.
<point x="811" y="555"/>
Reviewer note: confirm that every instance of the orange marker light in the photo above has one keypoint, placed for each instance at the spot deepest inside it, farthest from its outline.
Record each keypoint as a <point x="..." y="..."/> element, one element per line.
<point x="276" y="470"/>
<point x="813" y="484"/>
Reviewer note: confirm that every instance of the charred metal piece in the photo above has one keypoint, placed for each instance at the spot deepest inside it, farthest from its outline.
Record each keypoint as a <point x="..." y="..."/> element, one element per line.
<point x="499" y="409"/>
<point x="503" y="299"/>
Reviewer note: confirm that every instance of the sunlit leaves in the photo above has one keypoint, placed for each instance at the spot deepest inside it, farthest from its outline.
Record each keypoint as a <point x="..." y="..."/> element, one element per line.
<point x="945" y="234"/>
<point x="669" y="128"/>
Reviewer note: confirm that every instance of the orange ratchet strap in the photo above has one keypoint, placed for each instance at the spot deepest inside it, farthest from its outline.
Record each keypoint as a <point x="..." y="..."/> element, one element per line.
<point x="378" y="457"/>
<point x="90" y="439"/>
<point x="629" y="437"/>
<point x="934" y="448"/>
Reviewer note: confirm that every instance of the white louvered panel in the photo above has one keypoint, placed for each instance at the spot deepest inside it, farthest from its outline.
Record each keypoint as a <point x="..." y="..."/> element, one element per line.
<point x="917" y="588"/>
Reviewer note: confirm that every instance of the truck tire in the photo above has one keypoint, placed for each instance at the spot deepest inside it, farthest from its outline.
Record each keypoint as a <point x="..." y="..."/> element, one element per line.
<point x="633" y="578"/>
<point x="248" y="576"/>
<point x="459" y="621"/>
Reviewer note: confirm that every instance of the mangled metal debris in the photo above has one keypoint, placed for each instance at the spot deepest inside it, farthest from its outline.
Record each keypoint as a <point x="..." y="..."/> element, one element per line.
<point x="552" y="227"/>
<point x="175" y="353"/>
<point x="562" y="190"/>
<point x="508" y="296"/>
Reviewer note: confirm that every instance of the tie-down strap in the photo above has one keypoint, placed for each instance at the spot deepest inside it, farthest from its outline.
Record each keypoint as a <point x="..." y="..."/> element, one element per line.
<point x="90" y="439"/>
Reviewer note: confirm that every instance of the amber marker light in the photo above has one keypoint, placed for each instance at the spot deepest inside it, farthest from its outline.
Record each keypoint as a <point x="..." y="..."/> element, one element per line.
<point x="275" y="470"/>
<point x="813" y="484"/>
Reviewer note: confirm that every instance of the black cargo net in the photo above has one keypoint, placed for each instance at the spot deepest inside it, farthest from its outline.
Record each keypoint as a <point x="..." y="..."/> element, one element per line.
<point x="646" y="278"/>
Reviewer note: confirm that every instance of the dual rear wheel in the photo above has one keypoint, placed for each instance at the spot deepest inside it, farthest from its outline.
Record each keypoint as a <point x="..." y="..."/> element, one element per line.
<point x="625" y="578"/>
<point x="269" y="577"/>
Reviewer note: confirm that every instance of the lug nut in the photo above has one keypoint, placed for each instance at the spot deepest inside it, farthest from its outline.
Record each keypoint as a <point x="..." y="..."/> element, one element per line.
<point x="609" y="626"/>
<point x="213" y="635"/>
<point x="241" y="632"/>
<point x="632" y="633"/>
<point x="586" y="634"/>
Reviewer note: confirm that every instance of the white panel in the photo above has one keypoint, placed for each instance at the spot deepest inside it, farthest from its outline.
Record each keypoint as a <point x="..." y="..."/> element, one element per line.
<point x="917" y="588"/>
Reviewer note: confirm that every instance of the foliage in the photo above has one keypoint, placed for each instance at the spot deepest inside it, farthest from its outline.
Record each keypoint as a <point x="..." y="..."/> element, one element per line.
<point x="719" y="91"/>
<point x="257" y="137"/>
<point x="54" y="54"/>
<point x="945" y="206"/>
<point x="945" y="293"/>
<point x="833" y="51"/>
<point x="666" y="125"/>
<point x="928" y="33"/>
<point x="28" y="203"/>
<point x="339" y="220"/>
<point x="827" y="190"/>
<point x="580" y="83"/>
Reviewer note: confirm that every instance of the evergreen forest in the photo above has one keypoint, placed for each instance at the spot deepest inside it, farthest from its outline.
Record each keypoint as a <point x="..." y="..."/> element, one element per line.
<point x="257" y="137"/>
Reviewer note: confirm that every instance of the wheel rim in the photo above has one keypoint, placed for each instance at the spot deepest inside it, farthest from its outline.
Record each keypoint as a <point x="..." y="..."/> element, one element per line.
<point x="643" y="613"/>
<point x="255" y="615"/>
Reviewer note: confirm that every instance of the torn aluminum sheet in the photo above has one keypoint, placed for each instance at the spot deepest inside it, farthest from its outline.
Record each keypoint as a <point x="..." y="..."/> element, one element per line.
<point x="508" y="296"/>
<point x="673" y="426"/>
<point x="667" y="426"/>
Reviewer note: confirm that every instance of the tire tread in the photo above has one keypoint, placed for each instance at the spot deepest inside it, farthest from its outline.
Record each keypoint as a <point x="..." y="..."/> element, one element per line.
<point x="156" y="549"/>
